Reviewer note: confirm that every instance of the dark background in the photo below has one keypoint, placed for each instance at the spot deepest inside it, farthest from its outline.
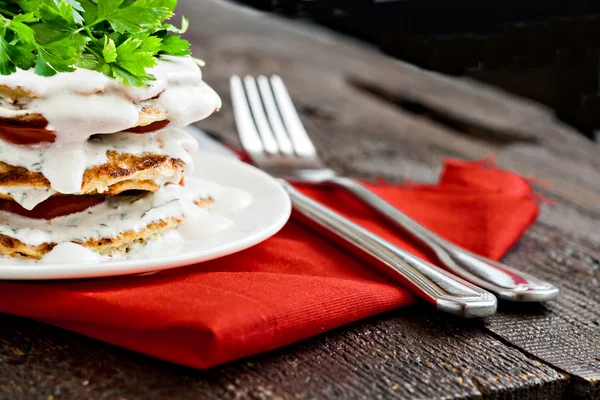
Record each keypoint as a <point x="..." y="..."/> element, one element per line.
<point x="546" y="50"/>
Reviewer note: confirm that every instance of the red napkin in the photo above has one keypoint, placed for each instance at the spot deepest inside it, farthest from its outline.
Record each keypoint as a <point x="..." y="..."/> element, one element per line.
<point x="290" y="287"/>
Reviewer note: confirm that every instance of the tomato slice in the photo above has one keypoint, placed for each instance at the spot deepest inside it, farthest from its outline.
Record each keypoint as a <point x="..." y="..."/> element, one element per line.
<point x="35" y="132"/>
<point x="56" y="206"/>
<point x="155" y="126"/>
<point x="26" y="134"/>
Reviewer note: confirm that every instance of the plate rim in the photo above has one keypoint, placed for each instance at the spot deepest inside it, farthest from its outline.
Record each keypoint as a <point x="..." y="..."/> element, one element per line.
<point x="54" y="272"/>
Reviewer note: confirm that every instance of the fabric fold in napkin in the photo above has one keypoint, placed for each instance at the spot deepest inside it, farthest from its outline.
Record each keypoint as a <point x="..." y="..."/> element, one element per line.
<point x="290" y="287"/>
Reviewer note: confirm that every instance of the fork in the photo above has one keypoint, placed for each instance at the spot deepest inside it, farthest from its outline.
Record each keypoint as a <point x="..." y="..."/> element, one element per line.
<point x="448" y="292"/>
<point x="272" y="134"/>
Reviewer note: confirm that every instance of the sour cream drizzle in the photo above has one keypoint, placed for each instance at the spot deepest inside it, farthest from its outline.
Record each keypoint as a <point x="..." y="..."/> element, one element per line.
<point x="27" y="197"/>
<point x="171" y="142"/>
<point x="122" y="214"/>
<point x="83" y="103"/>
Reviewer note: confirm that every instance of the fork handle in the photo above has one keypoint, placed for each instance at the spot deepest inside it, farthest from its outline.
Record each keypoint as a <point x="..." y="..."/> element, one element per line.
<point x="448" y="292"/>
<point x="507" y="283"/>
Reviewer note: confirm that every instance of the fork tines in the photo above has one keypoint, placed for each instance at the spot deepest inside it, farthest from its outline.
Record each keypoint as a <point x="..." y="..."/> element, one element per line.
<point x="266" y="118"/>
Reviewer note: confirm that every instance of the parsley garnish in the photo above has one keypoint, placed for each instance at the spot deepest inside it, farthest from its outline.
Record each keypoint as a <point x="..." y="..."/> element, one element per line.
<point x="119" y="38"/>
<point x="159" y="206"/>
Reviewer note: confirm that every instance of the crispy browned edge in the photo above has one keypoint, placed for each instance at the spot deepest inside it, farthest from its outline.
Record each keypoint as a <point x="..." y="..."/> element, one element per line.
<point x="12" y="247"/>
<point x="147" y="113"/>
<point x="15" y="93"/>
<point x="121" y="173"/>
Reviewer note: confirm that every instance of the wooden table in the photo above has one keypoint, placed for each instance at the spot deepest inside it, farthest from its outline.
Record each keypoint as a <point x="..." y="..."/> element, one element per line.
<point x="372" y="116"/>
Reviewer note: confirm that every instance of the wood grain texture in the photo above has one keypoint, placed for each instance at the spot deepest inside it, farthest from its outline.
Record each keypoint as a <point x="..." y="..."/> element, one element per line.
<point x="564" y="334"/>
<point x="371" y="116"/>
<point x="409" y="354"/>
<point x="357" y="89"/>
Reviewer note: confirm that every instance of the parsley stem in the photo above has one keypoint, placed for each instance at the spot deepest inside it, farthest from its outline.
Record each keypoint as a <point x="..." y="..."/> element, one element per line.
<point x="87" y="27"/>
<point x="98" y="56"/>
<point x="6" y="12"/>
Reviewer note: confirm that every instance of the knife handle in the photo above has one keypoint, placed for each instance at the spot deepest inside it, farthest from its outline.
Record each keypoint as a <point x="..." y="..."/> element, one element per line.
<point x="446" y="291"/>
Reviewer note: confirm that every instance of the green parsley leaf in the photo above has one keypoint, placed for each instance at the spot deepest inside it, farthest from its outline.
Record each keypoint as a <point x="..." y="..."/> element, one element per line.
<point x="46" y="33"/>
<point x="90" y="11"/>
<point x="75" y="3"/>
<point x="58" y="56"/>
<point x="134" y="58"/>
<point x="138" y="15"/>
<point x="185" y="24"/>
<point x="123" y="75"/>
<point x="150" y="43"/>
<point x="22" y="56"/>
<point x="110" y="50"/>
<point x="106" y="7"/>
<point x="24" y="32"/>
<point x="29" y="6"/>
<point x="87" y="61"/>
<point x="6" y="65"/>
<point x="42" y="67"/>
<point x="69" y="10"/>
<point x="175" y="46"/>
<point x="119" y="38"/>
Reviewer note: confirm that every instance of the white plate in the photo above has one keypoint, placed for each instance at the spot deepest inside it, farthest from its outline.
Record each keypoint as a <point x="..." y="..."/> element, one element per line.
<point x="268" y="213"/>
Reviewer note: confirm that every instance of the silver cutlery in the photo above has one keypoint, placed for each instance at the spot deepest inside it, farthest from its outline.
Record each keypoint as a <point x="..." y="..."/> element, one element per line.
<point x="448" y="292"/>
<point x="272" y="134"/>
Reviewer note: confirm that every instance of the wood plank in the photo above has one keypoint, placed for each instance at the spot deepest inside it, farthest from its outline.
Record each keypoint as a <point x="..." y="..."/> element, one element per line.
<point x="386" y="139"/>
<point x="565" y="334"/>
<point x="410" y="354"/>
<point x="333" y="76"/>
<point x="370" y="116"/>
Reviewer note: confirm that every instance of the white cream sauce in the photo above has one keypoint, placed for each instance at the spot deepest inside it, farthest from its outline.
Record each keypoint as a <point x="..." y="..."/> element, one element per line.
<point x="83" y="103"/>
<point x="68" y="252"/>
<point x="122" y="214"/>
<point x="168" y="244"/>
<point x="27" y="197"/>
<point x="61" y="172"/>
